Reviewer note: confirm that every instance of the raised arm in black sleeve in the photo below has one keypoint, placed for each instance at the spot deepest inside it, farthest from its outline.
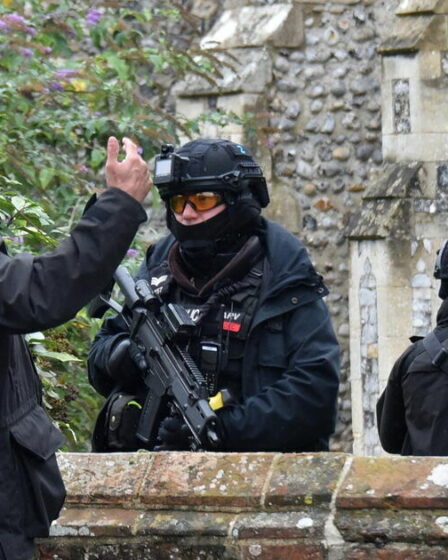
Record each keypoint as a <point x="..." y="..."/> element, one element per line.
<point x="43" y="291"/>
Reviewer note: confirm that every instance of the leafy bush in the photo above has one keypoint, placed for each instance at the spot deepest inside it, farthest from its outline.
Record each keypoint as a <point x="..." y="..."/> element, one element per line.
<point x="72" y="75"/>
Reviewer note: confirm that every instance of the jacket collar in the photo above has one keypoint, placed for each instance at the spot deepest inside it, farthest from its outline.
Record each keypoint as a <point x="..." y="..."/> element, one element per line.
<point x="286" y="255"/>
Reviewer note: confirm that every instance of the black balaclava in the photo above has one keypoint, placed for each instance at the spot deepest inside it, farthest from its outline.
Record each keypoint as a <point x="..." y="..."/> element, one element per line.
<point x="208" y="246"/>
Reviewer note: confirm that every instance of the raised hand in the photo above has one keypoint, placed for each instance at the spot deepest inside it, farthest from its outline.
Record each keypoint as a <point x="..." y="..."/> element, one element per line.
<point x="130" y="175"/>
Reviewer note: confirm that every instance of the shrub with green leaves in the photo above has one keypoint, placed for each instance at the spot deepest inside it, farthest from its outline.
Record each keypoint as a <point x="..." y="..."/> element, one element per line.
<point x="72" y="74"/>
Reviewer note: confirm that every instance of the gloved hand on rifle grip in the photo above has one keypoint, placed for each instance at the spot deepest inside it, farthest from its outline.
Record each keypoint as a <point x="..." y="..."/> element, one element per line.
<point x="173" y="435"/>
<point x="125" y="362"/>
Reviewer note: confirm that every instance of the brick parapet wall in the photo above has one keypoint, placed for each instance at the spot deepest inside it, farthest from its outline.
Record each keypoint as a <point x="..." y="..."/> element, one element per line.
<point x="242" y="506"/>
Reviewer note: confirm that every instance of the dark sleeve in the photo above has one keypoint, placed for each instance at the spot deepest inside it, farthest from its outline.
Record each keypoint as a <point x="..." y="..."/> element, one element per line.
<point x="43" y="291"/>
<point x="112" y="330"/>
<point x="298" y="408"/>
<point x="390" y="410"/>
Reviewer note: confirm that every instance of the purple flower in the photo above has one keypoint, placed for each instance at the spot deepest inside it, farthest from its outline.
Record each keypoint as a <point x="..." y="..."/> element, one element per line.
<point x="14" y="19"/>
<point x="140" y="151"/>
<point x="93" y="17"/>
<point x="26" y="52"/>
<point x="132" y="253"/>
<point x="65" y="73"/>
<point x="47" y="50"/>
<point x="56" y="86"/>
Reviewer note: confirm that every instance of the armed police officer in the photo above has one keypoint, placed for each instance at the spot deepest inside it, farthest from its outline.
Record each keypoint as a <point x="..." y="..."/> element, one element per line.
<point x="263" y="333"/>
<point x="412" y="412"/>
<point x="38" y="293"/>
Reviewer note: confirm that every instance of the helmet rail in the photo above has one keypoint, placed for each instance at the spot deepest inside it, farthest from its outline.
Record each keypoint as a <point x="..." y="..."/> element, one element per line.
<point x="190" y="169"/>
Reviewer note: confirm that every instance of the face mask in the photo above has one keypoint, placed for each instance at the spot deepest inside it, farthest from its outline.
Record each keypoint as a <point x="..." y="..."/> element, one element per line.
<point x="213" y="228"/>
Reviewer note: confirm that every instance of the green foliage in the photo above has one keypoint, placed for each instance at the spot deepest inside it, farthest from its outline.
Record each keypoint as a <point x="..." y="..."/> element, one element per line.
<point x="21" y="217"/>
<point x="72" y="75"/>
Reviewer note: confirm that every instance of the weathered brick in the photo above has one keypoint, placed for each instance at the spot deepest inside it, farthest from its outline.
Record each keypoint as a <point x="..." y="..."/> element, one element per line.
<point x="393" y="525"/>
<point x="98" y="478"/>
<point x="400" y="552"/>
<point x="136" y="550"/>
<point x="184" y="523"/>
<point x="96" y="522"/>
<point x="213" y="480"/>
<point x="283" y="551"/>
<point x="382" y="482"/>
<point x="304" y="479"/>
<point x="287" y="525"/>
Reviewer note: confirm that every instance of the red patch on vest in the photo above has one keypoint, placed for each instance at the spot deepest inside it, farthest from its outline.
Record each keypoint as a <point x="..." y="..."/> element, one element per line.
<point x="231" y="326"/>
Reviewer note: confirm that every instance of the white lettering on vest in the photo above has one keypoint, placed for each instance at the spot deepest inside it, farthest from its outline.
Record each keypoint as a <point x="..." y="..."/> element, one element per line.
<point x="231" y="316"/>
<point x="194" y="314"/>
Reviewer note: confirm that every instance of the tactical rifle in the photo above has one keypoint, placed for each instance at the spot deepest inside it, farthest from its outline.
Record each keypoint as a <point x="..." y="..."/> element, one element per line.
<point x="161" y="332"/>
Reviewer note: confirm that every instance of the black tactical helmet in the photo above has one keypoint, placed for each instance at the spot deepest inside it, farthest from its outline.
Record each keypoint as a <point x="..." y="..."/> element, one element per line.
<point x="209" y="164"/>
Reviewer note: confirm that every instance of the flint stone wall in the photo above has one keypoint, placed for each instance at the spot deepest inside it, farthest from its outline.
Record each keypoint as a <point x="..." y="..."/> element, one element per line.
<point x="208" y="506"/>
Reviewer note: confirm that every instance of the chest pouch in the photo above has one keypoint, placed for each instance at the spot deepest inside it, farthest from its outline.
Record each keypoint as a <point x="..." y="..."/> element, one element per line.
<point x="122" y="417"/>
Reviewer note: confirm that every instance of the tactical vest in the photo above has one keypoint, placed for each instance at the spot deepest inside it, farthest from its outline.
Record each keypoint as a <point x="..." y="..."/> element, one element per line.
<point x="223" y="322"/>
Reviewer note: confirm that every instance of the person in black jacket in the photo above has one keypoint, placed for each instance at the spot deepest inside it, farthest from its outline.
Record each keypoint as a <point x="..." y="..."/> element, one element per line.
<point x="412" y="411"/>
<point x="38" y="293"/>
<point x="263" y="331"/>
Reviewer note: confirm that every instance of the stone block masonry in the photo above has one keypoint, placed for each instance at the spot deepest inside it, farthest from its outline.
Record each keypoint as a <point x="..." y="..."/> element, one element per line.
<point x="244" y="506"/>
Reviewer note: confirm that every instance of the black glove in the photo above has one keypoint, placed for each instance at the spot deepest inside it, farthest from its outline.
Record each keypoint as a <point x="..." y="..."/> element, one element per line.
<point x="125" y="362"/>
<point x="173" y="435"/>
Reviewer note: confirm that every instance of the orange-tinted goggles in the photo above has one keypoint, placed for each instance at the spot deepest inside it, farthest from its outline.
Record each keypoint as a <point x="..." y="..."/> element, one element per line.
<point x="200" y="201"/>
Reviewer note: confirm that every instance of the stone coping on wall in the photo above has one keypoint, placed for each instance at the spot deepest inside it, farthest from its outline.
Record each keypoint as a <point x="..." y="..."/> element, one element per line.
<point x="176" y="505"/>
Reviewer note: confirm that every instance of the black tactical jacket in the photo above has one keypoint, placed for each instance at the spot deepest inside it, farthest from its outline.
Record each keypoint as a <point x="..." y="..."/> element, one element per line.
<point x="412" y="412"/>
<point x="37" y="293"/>
<point x="290" y="363"/>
